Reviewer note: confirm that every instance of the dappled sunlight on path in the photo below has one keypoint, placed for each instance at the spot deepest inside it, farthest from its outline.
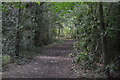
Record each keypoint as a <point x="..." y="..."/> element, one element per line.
<point x="54" y="58"/>
<point x="53" y="62"/>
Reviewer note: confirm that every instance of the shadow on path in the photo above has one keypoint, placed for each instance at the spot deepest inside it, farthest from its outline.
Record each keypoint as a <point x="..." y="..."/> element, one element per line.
<point x="53" y="62"/>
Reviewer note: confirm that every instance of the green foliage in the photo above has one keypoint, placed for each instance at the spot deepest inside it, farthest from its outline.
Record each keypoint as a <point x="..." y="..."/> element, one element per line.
<point x="76" y="20"/>
<point x="62" y="8"/>
<point x="38" y="3"/>
<point x="6" y="59"/>
<point x="21" y="18"/>
<point x="17" y="5"/>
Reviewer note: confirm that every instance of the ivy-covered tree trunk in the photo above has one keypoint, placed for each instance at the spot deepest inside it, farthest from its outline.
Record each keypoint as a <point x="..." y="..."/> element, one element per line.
<point x="59" y="33"/>
<point x="17" y="47"/>
<point x="103" y="38"/>
<point x="35" y="21"/>
<point x="38" y="21"/>
<point x="118" y="38"/>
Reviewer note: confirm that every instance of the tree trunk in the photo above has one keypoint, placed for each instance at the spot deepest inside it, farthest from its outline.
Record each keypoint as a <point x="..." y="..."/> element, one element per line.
<point x="59" y="33"/>
<point x="38" y="37"/>
<point x="103" y="38"/>
<point x="18" y="35"/>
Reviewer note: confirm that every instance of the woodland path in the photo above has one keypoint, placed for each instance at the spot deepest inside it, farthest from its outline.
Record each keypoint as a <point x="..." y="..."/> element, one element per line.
<point x="52" y="62"/>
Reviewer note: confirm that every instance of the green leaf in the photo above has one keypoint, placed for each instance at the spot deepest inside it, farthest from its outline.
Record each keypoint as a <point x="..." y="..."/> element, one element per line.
<point x="38" y="3"/>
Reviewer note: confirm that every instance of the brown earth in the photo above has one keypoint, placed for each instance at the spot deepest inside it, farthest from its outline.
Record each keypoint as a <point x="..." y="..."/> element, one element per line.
<point x="52" y="62"/>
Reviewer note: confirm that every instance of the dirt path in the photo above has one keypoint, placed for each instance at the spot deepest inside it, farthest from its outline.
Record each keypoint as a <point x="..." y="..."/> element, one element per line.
<point x="53" y="62"/>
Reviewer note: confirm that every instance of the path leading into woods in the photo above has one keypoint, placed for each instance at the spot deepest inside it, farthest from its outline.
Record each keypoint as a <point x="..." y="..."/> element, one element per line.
<point x="52" y="62"/>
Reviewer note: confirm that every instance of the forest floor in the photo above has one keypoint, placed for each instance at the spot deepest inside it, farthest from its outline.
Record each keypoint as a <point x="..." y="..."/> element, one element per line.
<point x="52" y="62"/>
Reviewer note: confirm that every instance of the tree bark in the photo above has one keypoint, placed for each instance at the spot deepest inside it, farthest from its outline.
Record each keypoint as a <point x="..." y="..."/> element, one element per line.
<point x="38" y="37"/>
<point x="59" y="33"/>
<point x="18" y="35"/>
<point x="103" y="39"/>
